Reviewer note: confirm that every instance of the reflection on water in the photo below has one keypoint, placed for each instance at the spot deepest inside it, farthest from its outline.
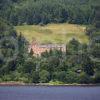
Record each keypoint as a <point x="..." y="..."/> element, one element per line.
<point x="49" y="93"/>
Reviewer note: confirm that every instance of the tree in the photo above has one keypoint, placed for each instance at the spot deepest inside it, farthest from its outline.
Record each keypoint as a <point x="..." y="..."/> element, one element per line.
<point x="84" y="78"/>
<point x="73" y="46"/>
<point x="88" y="65"/>
<point x="29" y="66"/>
<point x="71" y="77"/>
<point x="44" y="76"/>
<point x="19" y="12"/>
<point x="97" y="77"/>
<point x="35" y="77"/>
<point x="61" y="76"/>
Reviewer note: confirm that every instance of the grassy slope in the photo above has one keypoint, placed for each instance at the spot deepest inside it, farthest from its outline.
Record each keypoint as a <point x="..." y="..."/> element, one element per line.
<point x="53" y="33"/>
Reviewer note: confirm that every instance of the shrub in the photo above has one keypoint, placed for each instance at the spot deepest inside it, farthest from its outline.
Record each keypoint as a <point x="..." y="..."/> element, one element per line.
<point x="44" y="76"/>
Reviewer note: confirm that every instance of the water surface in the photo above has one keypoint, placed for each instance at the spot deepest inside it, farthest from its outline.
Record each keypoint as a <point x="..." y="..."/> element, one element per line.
<point x="49" y="93"/>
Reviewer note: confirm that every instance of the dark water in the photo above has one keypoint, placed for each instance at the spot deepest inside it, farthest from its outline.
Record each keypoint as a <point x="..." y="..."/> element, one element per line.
<point x="49" y="93"/>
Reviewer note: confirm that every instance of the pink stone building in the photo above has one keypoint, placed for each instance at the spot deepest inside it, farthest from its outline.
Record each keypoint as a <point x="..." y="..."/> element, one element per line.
<point x="40" y="48"/>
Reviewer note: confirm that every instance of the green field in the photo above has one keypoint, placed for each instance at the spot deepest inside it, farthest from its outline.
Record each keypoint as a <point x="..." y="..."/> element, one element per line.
<point x="53" y="33"/>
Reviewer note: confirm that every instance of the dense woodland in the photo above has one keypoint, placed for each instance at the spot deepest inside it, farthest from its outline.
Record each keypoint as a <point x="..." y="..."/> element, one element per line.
<point x="79" y="64"/>
<point x="20" y="12"/>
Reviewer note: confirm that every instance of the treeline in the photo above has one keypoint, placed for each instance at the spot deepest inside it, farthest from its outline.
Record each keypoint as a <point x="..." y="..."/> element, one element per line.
<point x="20" y="12"/>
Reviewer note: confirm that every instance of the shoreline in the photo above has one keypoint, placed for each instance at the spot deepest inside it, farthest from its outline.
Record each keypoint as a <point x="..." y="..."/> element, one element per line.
<point x="43" y="84"/>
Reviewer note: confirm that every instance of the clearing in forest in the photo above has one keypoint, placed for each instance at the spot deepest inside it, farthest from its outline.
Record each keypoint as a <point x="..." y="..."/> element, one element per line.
<point x="53" y="33"/>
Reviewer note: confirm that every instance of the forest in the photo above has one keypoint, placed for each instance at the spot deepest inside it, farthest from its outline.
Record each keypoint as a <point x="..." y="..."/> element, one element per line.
<point x="79" y="64"/>
<point x="20" y="12"/>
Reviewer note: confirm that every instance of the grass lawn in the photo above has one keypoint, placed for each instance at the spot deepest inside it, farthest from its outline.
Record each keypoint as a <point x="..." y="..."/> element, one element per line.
<point x="53" y="33"/>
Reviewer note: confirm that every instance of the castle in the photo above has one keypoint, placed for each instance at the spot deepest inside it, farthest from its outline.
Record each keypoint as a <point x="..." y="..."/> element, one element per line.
<point x="40" y="48"/>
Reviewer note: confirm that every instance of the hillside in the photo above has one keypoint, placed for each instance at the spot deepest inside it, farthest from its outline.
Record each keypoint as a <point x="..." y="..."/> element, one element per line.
<point x="53" y="33"/>
<point x="68" y="63"/>
<point x="19" y="12"/>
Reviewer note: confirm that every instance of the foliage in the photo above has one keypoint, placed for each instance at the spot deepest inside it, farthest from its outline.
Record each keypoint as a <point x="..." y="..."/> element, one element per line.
<point x="79" y="64"/>
<point x="35" y="77"/>
<point x="97" y="77"/>
<point x="84" y="78"/>
<point x="71" y="77"/>
<point x="41" y="12"/>
<point x="44" y="76"/>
